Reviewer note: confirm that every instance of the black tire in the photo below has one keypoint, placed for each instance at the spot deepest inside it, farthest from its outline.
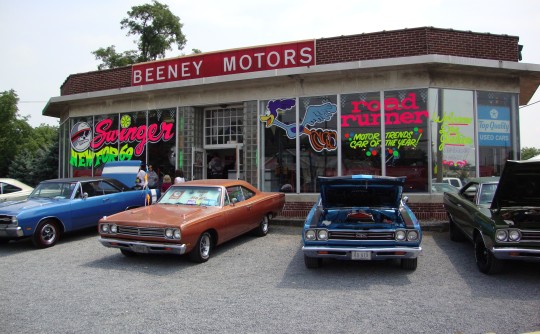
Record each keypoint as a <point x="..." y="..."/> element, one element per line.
<point x="262" y="229"/>
<point x="455" y="233"/>
<point x="485" y="260"/>
<point x="203" y="248"/>
<point x="4" y="241"/>
<point x="46" y="234"/>
<point x="409" y="264"/>
<point x="312" y="262"/>
<point x="127" y="253"/>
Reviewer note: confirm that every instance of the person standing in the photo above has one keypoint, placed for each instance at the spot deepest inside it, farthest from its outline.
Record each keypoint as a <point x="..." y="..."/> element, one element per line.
<point x="179" y="176"/>
<point x="153" y="178"/>
<point x="142" y="179"/>
<point x="166" y="184"/>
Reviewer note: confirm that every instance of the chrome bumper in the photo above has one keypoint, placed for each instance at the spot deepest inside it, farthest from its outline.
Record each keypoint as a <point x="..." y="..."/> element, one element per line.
<point x="516" y="253"/>
<point x="144" y="247"/>
<point x="377" y="253"/>
<point x="11" y="232"/>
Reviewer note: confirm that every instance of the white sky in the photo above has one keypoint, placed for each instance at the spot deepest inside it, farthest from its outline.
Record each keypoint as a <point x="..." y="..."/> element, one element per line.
<point x="43" y="42"/>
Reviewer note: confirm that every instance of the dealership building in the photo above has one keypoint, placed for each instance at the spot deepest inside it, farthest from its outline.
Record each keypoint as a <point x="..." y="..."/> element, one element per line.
<point x="426" y="103"/>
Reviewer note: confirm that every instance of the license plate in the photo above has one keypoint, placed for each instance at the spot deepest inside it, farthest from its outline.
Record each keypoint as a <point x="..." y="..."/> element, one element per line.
<point x="361" y="255"/>
<point x="140" y="249"/>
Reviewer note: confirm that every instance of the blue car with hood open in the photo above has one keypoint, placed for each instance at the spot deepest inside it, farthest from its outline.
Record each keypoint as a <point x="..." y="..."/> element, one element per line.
<point x="361" y="217"/>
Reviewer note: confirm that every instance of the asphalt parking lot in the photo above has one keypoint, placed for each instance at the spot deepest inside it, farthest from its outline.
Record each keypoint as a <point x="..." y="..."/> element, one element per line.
<point x="259" y="285"/>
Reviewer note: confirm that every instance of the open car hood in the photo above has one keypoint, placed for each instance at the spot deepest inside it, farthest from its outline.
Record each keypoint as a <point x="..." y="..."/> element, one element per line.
<point x="361" y="191"/>
<point x="519" y="185"/>
<point x="124" y="171"/>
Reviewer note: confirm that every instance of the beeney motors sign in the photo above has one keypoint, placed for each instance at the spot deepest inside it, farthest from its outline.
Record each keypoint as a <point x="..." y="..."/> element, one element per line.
<point x="262" y="58"/>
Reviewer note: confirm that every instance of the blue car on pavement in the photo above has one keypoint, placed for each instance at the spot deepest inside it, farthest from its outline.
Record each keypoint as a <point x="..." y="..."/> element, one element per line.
<point x="361" y="218"/>
<point x="63" y="205"/>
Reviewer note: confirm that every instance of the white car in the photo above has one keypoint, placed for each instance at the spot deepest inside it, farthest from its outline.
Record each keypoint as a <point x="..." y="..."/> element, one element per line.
<point x="13" y="190"/>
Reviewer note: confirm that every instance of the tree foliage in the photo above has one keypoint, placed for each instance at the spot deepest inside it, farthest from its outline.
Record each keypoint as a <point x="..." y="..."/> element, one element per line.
<point x="14" y="129"/>
<point x="26" y="154"/>
<point x="529" y="152"/>
<point x="157" y="29"/>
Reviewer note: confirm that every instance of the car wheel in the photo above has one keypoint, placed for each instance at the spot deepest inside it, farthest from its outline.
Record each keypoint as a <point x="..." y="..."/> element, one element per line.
<point x="455" y="233"/>
<point x="46" y="234"/>
<point x="127" y="253"/>
<point x="409" y="264"/>
<point x="262" y="229"/>
<point x="312" y="262"/>
<point x="486" y="262"/>
<point x="201" y="252"/>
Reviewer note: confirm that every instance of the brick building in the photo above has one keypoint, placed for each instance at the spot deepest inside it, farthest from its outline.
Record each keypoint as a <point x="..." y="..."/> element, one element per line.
<point x="427" y="103"/>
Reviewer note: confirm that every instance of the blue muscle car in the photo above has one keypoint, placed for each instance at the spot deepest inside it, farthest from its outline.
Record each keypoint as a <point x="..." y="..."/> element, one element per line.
<point x="361" y="217"/>
<point x="63" y="205"/>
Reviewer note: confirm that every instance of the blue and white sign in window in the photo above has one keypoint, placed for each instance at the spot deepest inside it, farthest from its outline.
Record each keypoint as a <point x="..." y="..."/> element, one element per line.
<point x="494" y="126"/>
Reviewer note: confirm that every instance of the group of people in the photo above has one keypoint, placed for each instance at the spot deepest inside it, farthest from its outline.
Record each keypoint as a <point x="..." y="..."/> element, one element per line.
<point x="149" y="178"/>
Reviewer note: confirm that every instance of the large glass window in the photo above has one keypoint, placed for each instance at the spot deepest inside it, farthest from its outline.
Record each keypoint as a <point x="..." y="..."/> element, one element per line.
<point x="453" y="130"/>
<point x="81" y="157"/>
<point x="162" y="141"/>
<point x="318" y="140"/>
<point x="406" y="145"/>
<point x="495" y="111"/>
<point x="279" y="151"/>
<point x="361" y="133"/>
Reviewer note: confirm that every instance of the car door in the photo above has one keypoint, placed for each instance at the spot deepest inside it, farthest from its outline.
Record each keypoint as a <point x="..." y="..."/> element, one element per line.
<point x="469" y="208"/>
<point x="87" y="210"/>
<point x="462" y="204"/>
<point x="240" y="213"/>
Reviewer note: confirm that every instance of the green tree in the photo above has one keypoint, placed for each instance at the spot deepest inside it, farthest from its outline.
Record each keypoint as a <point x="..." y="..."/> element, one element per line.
<point x="111" y="59"/>
<point x="529" y="152"/>
<point x="157" y="29"/>
<point x="14" y="131"/>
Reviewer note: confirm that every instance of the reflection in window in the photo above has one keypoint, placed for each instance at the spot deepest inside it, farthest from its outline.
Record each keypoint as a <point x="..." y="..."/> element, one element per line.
<point x="361" y="133"/>
<point x="454" y="153"/>
<point x="406" y="119"/>
<point x="495" y="117"/>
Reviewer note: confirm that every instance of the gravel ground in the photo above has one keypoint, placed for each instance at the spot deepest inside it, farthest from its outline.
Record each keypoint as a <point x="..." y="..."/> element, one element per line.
<point x="259" y="285"/>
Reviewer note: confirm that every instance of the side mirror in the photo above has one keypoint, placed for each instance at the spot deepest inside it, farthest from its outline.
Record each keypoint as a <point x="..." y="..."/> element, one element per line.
<point x="234" y="200"/>
<point x="405" y="199"/>
<point x="85" y="195"/>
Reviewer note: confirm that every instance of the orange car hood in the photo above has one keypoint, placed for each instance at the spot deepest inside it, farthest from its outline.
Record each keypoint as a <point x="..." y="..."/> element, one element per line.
<point x="161" y="215"/>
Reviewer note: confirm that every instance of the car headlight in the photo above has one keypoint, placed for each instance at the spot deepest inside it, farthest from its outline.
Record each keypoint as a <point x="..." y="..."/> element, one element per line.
<point x="514" y="235"/>
<point x="412" y="235"/>
<point x="322" y="235"/>
<point x="169" y="233"/>
<point x="501" y="235"/>
<point x="401" y="235"/>
<point x="113" y="228"/>
<point x="14" y="220"/>
<point x="104" y="228"/>
<point x="310" y="235"/>
<point x="177" y="234"/>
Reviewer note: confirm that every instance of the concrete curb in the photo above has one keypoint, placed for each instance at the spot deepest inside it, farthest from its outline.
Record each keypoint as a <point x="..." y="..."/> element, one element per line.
<point x="426" y="225"/>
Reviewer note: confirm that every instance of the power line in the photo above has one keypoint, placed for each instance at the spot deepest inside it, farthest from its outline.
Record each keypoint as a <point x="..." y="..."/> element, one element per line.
<point x="528" y="105"/>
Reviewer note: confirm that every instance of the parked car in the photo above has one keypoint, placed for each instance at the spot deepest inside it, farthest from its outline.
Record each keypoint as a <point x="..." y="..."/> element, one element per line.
<point x="63" y="205"/>
<point x="192" y="217"/>
<point x="454" y="181"/>
<point x="443" y="187"/>
<point x="361" y="217"/>
<point x="500" y="216"/>
<point x="13" y="190"/>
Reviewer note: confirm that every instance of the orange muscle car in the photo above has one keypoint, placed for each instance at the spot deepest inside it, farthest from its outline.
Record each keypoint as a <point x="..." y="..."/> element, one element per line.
<point x="192" y="217"/>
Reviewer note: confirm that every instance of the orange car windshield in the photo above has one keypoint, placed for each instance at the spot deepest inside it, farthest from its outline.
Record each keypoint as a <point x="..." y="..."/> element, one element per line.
<point x="188" y="195"/>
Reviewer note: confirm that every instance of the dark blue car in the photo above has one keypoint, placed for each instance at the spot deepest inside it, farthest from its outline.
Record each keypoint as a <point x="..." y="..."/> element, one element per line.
<point x="361" y="217"/>
<point x="64" y="205"/>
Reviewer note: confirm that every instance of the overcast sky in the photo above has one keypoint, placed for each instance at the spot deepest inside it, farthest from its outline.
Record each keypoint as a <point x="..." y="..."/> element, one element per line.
<point x="43" y="42"/>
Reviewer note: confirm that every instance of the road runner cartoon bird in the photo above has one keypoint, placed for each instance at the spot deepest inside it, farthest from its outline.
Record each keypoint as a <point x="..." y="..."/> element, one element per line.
<point x="314" y="114"/>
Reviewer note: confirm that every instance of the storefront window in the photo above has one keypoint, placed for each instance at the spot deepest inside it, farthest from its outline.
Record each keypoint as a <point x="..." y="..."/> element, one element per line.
<point x="133" y="136"/>
<point x="318" y="140"/>
<point x="453" y="135"/>
<point x="406" y="145"/>
<point x="279" y="151"/>
<point x="361" y="133"/>
<point x="81" y="157"/>
<point x="495" y="130"/>
<point x="162" y="141"/>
